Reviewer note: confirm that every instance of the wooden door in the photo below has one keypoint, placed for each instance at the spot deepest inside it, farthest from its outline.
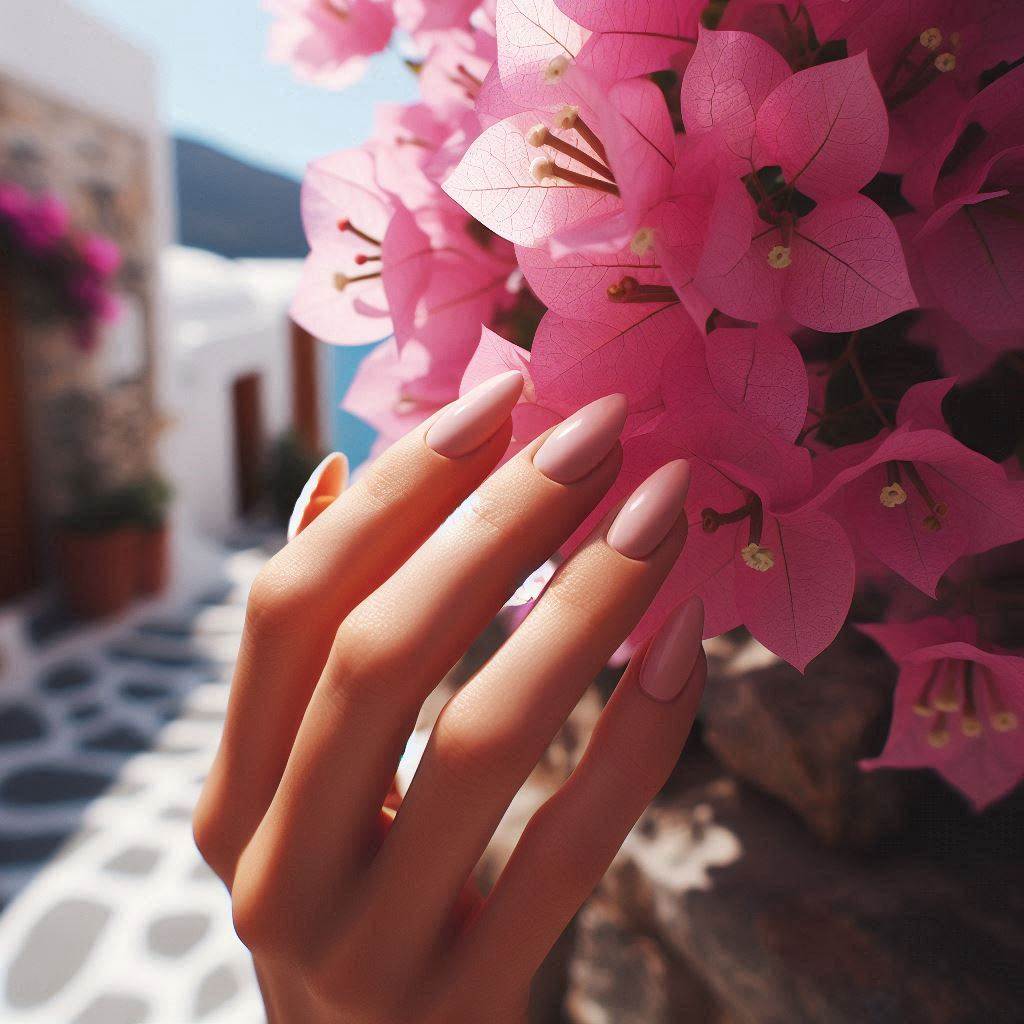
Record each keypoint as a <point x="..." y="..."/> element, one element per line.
<point x="18" y="564"/>
<point x="249" y="447"/>
<point x="305" y="388"/>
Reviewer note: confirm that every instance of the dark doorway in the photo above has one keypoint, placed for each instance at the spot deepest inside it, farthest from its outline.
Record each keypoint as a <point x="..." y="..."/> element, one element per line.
<point x="18" y="565"/>
<point x="305" y="388"/>
<point x="249" y="446"/>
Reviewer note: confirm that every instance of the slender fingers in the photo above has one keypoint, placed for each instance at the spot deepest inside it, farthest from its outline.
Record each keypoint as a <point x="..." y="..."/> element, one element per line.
<point x="571" y="840"/>
<point x="393" y="649"/>
<point x="492" y="733"/>
<point x="307" y="589"/>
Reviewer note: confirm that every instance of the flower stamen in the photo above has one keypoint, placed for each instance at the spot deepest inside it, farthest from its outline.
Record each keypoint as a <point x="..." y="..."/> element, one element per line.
<point x="780" y="257"/>
<point x="342" y="281"/>
<point x="346" y="225"/>
<point x="543" y="170"/>
<point x="539" y="136"/>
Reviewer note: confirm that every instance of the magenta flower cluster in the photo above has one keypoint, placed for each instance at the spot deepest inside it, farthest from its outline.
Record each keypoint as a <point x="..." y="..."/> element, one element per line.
<point x="67" y="274"/>
<point x="791" y="233"/>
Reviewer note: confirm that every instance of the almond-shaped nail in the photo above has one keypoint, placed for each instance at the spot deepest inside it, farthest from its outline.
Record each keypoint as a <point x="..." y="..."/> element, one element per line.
<point x="325" y="483"/>
<point x="673" y="651"/>
<point x="578" y="444"/>
<point x="651" y="511"/>
<point x="476" y="416"/>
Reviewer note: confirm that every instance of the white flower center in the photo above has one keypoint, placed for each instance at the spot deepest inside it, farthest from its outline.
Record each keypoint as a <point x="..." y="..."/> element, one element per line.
<point x="556" y="69"/>
<point x="892" y="495"/>
<point x="640" y="244"/>
<point x="780" y="257"/>
<point x="542" y="170"/>
<point x="758" y="558"/>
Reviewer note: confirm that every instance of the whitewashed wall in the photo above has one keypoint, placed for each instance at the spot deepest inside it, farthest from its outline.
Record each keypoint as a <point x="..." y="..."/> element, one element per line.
<point x="227" y="319"/>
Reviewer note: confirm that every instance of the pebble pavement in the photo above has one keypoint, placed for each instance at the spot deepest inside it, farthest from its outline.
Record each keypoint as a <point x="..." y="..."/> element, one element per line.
<point x="109" y="915"/>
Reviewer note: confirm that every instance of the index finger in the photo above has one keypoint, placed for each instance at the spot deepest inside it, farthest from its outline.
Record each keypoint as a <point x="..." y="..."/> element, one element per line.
<point x="308" y="588"/>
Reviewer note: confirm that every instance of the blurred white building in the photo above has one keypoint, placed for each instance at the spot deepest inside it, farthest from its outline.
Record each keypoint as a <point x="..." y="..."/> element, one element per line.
<point x="240" y="376"/>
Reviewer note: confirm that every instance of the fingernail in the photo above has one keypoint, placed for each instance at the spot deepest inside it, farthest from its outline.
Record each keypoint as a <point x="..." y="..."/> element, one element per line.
<point x="673" y="651"/>
<point x="476" y="416"/>
<point x="325" y="483"/>
<point x="577" y="445"/>
<point x="644" y="521"/>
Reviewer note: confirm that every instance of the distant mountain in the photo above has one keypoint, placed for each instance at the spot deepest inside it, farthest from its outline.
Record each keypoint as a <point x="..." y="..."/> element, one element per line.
<point x="234" y="208"/>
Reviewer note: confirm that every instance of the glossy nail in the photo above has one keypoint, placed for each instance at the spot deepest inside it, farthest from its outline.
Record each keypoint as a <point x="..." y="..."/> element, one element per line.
<point x="652" y="510"/>
<point x="476" y="416"/>
<point x="673" y="652"/>
<point x="581" y="442"/>
<point x="325" y="483"/>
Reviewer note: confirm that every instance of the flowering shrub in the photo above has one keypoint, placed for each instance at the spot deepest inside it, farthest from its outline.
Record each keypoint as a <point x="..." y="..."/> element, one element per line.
<point x="66" y="274"/>
<point x="789" y="232"/>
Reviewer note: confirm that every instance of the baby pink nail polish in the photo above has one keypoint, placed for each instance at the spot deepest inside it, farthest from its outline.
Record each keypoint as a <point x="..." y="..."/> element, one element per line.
<point x="673" y="652"/>
<point x="476" y="416"/>
<point x="578" y="444"/>
<point x="644" y="521"/>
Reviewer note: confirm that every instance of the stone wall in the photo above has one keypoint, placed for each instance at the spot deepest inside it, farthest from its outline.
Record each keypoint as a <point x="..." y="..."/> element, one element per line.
<point x="90" y="416"/>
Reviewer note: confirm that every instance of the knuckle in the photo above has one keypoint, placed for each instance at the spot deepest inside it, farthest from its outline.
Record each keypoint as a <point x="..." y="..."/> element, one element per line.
<point x="466" y="757"/>
<point x="255" y="913"/>
<point x="273" y="601"/>
<point x="209" y="837"/>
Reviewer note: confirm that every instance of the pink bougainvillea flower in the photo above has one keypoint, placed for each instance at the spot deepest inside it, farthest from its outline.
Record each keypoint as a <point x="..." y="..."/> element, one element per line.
<point x="341" y="296"/>
<point x="100" y="254"/>
<point x="839" y="267"/>
<point x="393" y="391"/>
<point x="419" y="16"/>
<point x="703" y="201"/>
<point x="957" y="707"/>
<point x="638" y="148"/>
<point x="972" y="253"/>
<point x="786" y="575"/>
<point x="326" y="41"/>
<point x="586" y="177"/>
<point x="523" y="196"/>
<point x="826" y="127"/>
<point x="729" y="77"/>
<point x="454" y="70"/>
<point x="537" y="44"/>
<point x="916" y="498"/>
<point x="990" y="124"/>
<point x="607" y="288"/>
<point x="574" y="359"/>
<point x="913" y="46"/>
<point x="444" y="275"/>
<point x="631" y="40"/>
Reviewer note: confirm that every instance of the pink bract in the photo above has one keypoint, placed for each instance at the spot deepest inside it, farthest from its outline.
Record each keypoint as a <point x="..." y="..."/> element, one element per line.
<point x="326" y="41"/>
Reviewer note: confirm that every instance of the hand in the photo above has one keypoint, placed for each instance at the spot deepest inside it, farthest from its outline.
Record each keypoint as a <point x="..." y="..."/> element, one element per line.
<point x="354" y="913"/>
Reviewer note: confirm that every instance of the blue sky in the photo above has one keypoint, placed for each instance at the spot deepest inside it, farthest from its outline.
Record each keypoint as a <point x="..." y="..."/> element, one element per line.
<point x="218" y="85"/>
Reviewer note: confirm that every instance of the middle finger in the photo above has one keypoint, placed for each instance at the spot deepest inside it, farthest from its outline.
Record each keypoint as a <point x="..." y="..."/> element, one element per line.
<point x="393" y="649"/>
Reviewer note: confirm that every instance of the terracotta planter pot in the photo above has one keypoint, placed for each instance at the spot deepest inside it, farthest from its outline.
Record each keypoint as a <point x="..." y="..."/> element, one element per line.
<point x="98" y="571"/>
<point x="152" y="567"/>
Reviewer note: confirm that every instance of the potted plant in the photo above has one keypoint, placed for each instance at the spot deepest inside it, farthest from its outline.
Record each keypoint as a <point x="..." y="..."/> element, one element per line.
<point x="97" y="543"/>
<point x="151" y="498"/>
